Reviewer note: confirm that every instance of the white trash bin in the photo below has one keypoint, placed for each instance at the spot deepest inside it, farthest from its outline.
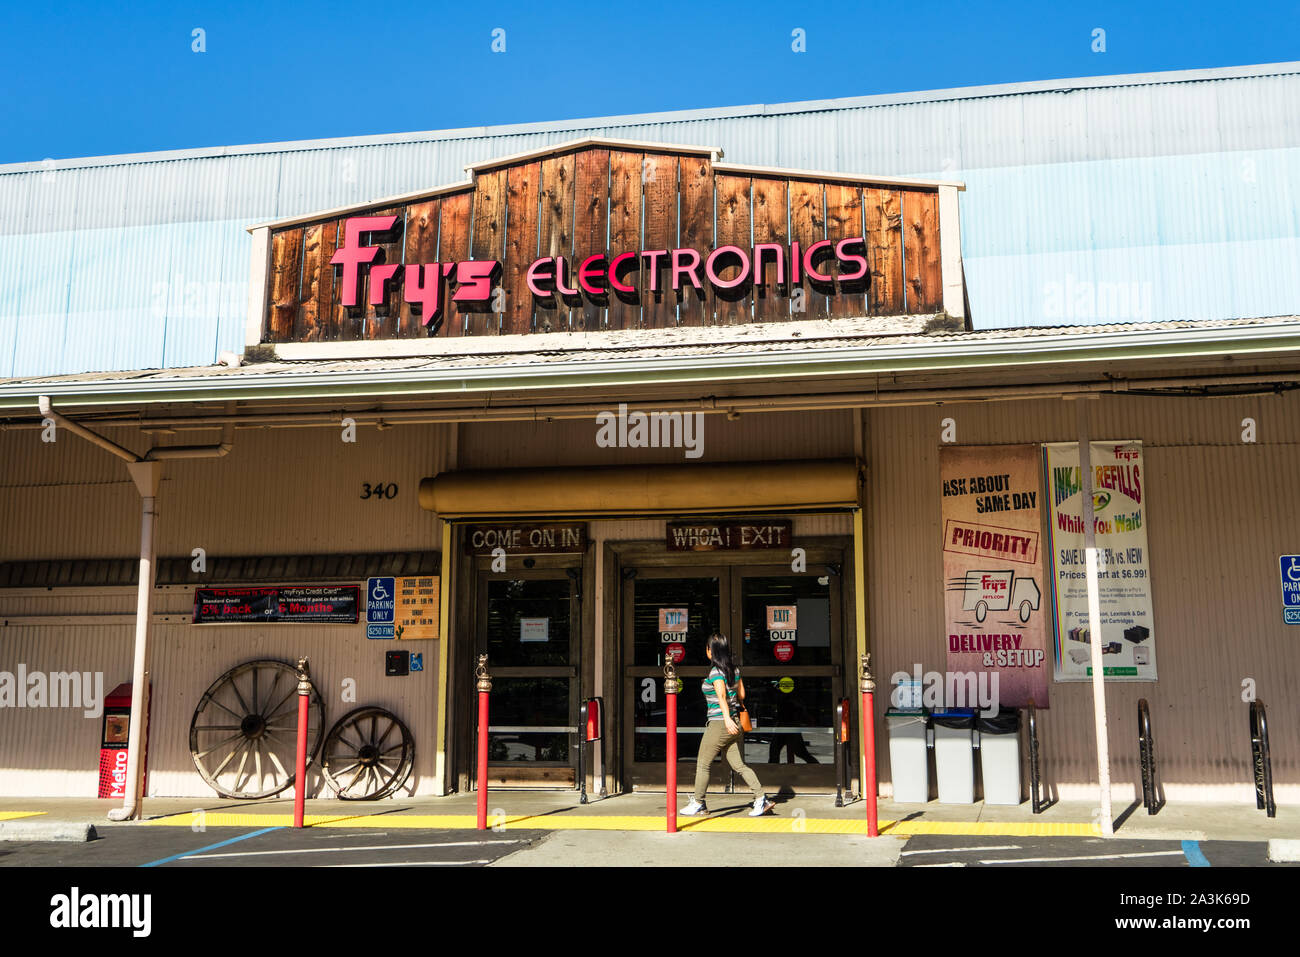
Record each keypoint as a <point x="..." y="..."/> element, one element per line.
<point x="909" y="761"/>
<point x="999" y="737"/>
<point x="954" y="755"/>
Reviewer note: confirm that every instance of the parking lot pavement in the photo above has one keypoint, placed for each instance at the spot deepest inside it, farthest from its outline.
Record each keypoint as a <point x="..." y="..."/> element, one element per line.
<point x="271" y="847"/>
<point x="936" y="850"/>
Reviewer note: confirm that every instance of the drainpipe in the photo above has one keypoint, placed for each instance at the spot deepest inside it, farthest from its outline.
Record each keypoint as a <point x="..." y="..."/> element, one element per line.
<point x="146" y="473"/>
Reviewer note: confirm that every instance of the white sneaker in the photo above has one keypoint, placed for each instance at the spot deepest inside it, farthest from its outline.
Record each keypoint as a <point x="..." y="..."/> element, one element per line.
<point x="761" y="806"/>
<point x="694" y="809"/>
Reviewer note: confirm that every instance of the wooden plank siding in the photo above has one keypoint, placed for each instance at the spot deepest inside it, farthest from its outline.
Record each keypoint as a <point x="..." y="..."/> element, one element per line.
<point x="454" y="224"/>
<point x="884" y="237"/>
<point x="807" y="226"/>
<point x="659" y="231"/>
<point x="590" y="218"/>
<point x="555" y="236"/>
<point x="732" y="306"/>
<point x="285" y="279"/>
<point x="487" y="241"/>
<point x="421" y="247"/>
<point x="695" y="231"/>
<point x="523" y="191"/>
<point x="924" y="276"/>
<point x="843" y="220"/>
<point x="605" y="202"/>
<point x="625" y="172"/>
<point x="771" y="215"/>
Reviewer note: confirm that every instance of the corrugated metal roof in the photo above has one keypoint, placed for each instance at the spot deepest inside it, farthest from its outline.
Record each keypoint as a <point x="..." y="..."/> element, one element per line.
<point x="1113" y="199"/>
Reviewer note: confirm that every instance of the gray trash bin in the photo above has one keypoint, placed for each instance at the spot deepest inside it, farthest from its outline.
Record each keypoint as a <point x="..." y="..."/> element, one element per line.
<point x="954" y="755"/>
<point x="999" y="737"/>
<point x="908" y="758"/>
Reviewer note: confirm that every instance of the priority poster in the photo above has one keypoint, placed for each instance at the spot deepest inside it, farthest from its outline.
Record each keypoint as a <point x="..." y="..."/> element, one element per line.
<point x="994" y="604"/>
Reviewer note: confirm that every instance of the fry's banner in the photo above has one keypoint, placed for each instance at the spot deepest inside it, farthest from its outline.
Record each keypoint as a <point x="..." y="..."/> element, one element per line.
<point x="993" y="568"/>
<point x="1123" y="564"/>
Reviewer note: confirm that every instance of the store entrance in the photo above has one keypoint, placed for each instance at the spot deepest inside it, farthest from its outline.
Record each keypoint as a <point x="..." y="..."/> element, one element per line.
<point x="786" y="630"/>
<point x="528" y="628"/>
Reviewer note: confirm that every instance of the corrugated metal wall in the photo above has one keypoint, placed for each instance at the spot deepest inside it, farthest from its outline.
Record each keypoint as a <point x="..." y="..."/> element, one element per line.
<point x="1158" y="201"/>
<point x="277" y="492"/>
<point x="55" y="751"/>
<point x="1218" y="520"/>
<point x="1219" y="515"/>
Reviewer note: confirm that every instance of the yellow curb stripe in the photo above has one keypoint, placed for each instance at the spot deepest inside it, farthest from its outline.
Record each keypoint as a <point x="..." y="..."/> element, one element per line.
<point x="12" y="815"/>
<point x="616" y="822"/>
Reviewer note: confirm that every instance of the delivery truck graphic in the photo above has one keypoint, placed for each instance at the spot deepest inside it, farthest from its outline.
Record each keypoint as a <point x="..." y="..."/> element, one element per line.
<point x="985" y="591"/>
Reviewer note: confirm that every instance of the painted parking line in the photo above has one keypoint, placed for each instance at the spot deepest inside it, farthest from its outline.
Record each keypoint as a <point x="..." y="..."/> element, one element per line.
<point x="975" y="848"/>
<point x="1080" y="857"/>
<point x="613" y="822"/>
<point x="324" y="850"/>
<point x="15" y="815"/>
<point x="1195" y="856"/>
<point x="412" y="864"/>
<point x="210" y="847"/>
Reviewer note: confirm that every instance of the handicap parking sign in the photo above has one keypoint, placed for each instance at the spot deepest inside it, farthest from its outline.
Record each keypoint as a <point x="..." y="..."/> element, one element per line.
<point x="417" y="661"/>
<point x="1290" y="570"/>
<point x="381" y="600"/>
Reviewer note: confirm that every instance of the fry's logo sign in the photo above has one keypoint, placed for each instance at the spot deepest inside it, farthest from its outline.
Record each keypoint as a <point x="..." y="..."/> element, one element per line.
<point x="595" y="276"/>
<point x="421" y="282"/>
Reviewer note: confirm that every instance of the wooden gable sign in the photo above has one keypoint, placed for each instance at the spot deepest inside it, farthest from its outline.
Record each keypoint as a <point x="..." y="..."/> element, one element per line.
<point x="607" y="235"/>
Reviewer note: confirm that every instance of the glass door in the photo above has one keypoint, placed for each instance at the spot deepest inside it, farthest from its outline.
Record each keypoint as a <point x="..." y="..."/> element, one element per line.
<point x="528" y="628"/>
<point x="668" y="612"/>
<point x="790" y="657"/>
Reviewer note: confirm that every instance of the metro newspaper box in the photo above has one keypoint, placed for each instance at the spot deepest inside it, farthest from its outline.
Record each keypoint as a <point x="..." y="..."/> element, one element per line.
<point x="113" y="752"/>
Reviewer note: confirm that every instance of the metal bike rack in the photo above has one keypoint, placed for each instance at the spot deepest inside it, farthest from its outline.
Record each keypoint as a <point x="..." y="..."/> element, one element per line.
<point x="1035" y="774"/>
<point x="1147" y="758"/>
<point x="1261" y="760"/>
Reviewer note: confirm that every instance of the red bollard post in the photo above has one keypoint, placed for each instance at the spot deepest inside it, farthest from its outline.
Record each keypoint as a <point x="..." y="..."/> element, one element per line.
<point x="300" y="767"/>
<point x="484" y="689"/>
<point x="868" y="686"/>
<point x="671" y="687"/>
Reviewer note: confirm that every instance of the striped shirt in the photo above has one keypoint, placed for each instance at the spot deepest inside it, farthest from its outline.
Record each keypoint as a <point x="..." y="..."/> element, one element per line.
<point x="711" y="693"/>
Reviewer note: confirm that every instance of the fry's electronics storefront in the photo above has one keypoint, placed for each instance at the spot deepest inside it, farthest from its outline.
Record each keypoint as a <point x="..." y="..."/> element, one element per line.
<point x="624" y="569"/>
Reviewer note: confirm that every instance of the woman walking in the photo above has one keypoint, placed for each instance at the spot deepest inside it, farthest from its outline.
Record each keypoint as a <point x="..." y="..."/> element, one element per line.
<point x="723" y="691"/>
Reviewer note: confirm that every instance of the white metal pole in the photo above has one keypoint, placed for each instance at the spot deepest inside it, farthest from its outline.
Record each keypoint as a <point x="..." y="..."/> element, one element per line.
<point x="1094" y="620"/>
<point x="146" y="476"/>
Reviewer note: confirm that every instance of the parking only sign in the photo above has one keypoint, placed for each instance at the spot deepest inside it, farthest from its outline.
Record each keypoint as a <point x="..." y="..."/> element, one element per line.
<point x="381" y="603"/>
<point x="1291" y="589"/>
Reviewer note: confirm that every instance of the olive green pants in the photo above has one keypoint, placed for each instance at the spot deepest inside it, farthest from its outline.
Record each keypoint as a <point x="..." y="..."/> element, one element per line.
<point x="717" y="739"/>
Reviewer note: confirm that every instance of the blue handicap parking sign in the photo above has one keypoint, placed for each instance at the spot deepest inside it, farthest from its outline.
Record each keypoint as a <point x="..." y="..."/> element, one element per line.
<point x="1290" y="570"/>
<point x="381" y="599"/>
<point x="417" y="661"/>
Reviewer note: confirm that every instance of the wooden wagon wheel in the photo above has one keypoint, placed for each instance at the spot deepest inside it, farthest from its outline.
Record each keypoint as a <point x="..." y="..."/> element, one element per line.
<point x="369" y="754"/>
<point x="243" y="733"/>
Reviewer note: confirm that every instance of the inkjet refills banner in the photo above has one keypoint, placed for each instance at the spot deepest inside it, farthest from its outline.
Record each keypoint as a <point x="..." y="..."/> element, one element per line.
<point x="1119" y="499"/>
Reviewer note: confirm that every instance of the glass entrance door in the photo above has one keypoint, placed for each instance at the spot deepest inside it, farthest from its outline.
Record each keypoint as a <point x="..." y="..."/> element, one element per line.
<point x="785" y="629"/>
<point x="667" y="612"/>
<point x="790" y="661"/>
<point x="528" y="631"/>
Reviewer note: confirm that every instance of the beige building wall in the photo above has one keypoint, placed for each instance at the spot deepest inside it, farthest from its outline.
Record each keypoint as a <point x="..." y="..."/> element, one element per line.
<point x="1220" y="512"/>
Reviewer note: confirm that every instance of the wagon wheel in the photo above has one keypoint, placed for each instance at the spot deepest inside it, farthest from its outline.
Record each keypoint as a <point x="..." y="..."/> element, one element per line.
<point x="243" y="734"/>
<point x="368" y="755"/>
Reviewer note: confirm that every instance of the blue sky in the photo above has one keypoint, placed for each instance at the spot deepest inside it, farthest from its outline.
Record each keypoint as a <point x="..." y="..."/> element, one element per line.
<point x="90" y="79"/>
